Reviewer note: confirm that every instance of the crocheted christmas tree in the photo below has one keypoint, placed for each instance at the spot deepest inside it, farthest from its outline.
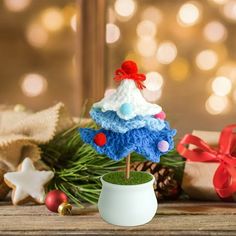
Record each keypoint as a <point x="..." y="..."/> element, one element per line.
<point x="128" y="122"/>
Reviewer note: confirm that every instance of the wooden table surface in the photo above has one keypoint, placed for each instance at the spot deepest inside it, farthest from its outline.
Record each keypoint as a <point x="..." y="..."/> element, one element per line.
<point x="174" y="218"/>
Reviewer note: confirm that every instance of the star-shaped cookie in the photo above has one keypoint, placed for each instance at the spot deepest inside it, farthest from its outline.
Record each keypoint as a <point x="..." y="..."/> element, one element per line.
<point x="28" y="183"/>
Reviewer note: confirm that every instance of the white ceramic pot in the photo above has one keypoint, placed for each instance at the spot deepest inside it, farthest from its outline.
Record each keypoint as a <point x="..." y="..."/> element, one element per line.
<point x="127" y="205"/>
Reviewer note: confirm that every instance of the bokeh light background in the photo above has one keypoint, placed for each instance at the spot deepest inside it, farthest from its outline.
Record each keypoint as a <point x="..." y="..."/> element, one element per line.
<point x="186" y="48"/>
<point x="37" y="48"/>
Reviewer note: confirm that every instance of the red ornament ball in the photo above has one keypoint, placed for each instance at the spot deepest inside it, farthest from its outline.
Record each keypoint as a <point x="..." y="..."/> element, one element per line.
<point x="100" y="139"/>
<point x="130" y="67"/>
<point x="54" y="199"/>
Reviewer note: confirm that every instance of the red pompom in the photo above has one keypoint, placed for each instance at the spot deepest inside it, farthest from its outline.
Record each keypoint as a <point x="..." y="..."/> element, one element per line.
<point x="129" y="67"/>
<point x="161" y="115"/>
<point x="100" y="139"/>
<point x="54" y="199"/>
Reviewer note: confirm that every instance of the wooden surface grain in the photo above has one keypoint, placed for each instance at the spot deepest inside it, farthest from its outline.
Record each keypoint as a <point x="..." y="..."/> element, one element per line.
<point x="175" y="218"/>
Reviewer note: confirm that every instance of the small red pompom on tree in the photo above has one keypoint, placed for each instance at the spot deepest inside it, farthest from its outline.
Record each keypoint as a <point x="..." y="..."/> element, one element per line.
<point x="129" y="70"/>
<point x="129" y="67"/>
<point x="100" y="139"/>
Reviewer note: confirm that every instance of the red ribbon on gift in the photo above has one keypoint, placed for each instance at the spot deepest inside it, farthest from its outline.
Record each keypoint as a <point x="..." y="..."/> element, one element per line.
<point x="224" y="179"/>
<point x="129" y="70"/>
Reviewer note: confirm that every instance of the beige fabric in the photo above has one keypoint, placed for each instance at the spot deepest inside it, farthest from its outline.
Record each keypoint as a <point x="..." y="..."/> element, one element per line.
<point x="21" y="132"/>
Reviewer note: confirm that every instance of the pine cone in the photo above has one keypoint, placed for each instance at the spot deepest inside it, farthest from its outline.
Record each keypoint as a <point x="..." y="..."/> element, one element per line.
<point x="165" y="185"/>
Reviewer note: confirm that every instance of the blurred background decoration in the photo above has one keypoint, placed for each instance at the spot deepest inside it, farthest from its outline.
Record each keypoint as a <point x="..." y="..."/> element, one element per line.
<point x="186" y="48"/>
<point x="37" y="46"/>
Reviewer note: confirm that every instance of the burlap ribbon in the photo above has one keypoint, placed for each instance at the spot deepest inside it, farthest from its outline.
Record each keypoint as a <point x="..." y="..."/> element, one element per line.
<point x="22" y="132"/>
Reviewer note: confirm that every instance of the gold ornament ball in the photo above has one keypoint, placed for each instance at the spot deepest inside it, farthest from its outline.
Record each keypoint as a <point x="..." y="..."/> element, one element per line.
<point x="65" y="209"/>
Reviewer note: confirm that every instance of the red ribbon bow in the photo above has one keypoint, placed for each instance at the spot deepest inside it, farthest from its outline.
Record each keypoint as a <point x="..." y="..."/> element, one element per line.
<point x="120" y="74"/>
<point x="224" y="179"/>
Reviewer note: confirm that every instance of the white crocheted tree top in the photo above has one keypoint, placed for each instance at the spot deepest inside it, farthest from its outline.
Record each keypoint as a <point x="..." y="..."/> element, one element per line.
<point x="127" y="101"/>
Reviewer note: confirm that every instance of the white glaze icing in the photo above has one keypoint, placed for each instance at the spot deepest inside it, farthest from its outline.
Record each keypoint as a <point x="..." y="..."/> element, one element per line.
<point x="28" y="182"/>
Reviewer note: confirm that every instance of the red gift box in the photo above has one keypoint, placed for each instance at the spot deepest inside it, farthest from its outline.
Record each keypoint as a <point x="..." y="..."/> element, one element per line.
<point x="210" y="169"/>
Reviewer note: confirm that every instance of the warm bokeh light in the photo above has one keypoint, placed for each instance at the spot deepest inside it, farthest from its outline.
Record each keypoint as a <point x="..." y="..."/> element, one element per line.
<point x="146" y="29"/>
<point x="228" y="70"/>
<point x="36" y="35"/>
<point x="189" y="14"/>
<point x="152" y="96"/>
<point x="186" y="49"/>
<point x="179" y="69"/>
<point x="52" y="19"/>
<point x="109" y="91"/>
<point x="147" y="47"/>
<point x="221" y="86"/>
<point x="33" y="85"/>
<point x="207" y="59"/>
<point x="16" y="5"/>
<point x="19" y="108"/>
<point x="166" y="52"/>
<point x="154" y="81"/>
<point x="220" y="2"/>
<point x="216" y="104"/>
<point x="73" y="23"/>
<point x="152" y="14"/>
<point x="125" y="8"/>
<point x="215" y="32"/>
<point x="229" y="10"/>
<point x="112" y="33"/>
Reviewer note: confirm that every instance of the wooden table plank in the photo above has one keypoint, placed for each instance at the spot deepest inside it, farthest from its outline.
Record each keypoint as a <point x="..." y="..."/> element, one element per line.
<point x="177" y="218"/>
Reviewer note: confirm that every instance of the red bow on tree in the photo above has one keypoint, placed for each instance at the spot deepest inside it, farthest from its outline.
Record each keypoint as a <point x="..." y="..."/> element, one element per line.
<point x="224" y="179"/>
<point x="129" y="70"/>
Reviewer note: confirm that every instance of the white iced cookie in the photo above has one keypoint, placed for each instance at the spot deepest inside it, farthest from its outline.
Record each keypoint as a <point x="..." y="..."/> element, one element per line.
<point x="28" y="183"/>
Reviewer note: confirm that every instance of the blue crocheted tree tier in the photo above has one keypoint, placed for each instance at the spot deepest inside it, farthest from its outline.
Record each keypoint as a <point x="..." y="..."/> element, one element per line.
<point x="111" y="121"/>
<point x="143" y="141"/>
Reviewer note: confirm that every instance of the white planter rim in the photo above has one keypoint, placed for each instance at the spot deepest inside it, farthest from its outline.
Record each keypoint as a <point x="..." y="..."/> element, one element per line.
<point x="133" y="186"/>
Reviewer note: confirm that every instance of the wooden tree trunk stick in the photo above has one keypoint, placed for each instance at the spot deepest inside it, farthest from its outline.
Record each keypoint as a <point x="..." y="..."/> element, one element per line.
<point x="127" y="173"/>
